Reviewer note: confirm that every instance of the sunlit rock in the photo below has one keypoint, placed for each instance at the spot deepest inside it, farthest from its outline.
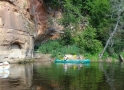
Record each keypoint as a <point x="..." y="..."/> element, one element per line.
<point x="16" y="30"/>
<point x="23" y="22"/>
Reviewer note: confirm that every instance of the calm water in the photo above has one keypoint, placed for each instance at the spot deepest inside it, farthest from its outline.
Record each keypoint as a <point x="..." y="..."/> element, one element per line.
<point x="47" y="76"/>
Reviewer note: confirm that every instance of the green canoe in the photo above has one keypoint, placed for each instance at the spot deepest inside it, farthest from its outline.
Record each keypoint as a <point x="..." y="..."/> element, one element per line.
<point x="72" y="61"/>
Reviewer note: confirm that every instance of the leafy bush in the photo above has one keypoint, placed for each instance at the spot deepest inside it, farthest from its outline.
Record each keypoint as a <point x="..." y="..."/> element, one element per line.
<point x="57" y="50"/>
<point x="71" y="49"/>
<point x="91" y="44"/>
<point x="87" y="41"/>
<point x="66" y="38"/>
<point x="49" y="47"/>
<point x="60" y="52"/>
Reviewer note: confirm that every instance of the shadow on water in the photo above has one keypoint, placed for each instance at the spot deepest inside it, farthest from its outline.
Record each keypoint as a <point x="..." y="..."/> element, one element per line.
<point x="49" y="76"/>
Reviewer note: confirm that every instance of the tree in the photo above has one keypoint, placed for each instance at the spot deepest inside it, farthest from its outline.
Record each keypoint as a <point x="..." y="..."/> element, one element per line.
<point x="117" y="14"/>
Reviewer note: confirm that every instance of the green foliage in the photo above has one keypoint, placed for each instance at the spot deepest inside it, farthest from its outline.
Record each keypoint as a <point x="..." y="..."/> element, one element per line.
<point x="72" y="12"/>
<point x="99" y="17"/>
<point x="98" y="10"/>
<point x="60" y="52"/>
<point x="66" y="38"/>
<point x="57" y="50"/>
<point x="88" y="42"/>
<point x="118" y="38"/>
<point x="91" y="44"/>
<point x="49" y="47"/>
<point x="92" y="38"/>
<point x="53" y="3"/>
<point x="122" y="53"/>
<point x="84" y="42"/>
<point x="70" y="50"/>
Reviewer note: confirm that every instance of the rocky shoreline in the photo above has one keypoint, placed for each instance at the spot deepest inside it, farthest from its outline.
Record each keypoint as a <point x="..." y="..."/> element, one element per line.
<point x="37" y="57"/>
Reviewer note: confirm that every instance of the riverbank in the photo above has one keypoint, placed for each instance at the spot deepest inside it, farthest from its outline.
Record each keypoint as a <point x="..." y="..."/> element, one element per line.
<point x="38" y="57"/>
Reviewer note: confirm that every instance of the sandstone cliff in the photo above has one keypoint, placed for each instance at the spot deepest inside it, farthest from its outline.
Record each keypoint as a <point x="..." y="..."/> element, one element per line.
<point x="23" y="22"/>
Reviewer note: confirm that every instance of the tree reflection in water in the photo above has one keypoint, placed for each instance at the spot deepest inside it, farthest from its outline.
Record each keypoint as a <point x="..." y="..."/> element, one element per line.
<point x="40" y="76"/>
<point x="96" y="76"/>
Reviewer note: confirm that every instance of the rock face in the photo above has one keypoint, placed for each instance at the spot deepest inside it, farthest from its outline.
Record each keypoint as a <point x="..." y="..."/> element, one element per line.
<point x="16" y="30"/>
<point x="46" y="21"/>
<point x="23" y="22"/>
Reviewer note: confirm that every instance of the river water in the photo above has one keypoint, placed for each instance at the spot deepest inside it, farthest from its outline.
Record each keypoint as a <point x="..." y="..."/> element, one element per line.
<point x="50" y="76"/>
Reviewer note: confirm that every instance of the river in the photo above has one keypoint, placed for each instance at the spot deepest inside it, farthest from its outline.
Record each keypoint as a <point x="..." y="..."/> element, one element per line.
<point x="50" y="76"/>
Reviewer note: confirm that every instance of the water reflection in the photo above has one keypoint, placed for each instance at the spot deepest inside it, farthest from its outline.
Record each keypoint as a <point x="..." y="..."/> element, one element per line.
<point x="114" y="74"/>
<point x="18" y="77"/>
<point x="56" y="76"/>
<point x="109" y="79"/>
<point x="4" y="73"/>
<point x="66" y="66"/>
<point x="96" y="76"/>
<point x="47" y="76"/>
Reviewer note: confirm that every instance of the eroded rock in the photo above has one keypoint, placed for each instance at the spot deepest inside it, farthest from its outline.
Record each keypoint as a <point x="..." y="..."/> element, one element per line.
<point x="23" y="22"/>
<point x="16" y="30"/>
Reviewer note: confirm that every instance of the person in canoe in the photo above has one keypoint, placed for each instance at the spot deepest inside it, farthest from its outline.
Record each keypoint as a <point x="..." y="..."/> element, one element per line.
<point x="69" y="57"/>
<point x="72" y="57"/>
<point x="65" y="58"/>
<point x="79" y="57"/>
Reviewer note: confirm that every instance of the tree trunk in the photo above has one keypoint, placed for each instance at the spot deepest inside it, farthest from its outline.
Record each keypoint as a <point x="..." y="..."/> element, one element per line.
<point x="112" y="34"/>
<point x="120" y="58"/>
